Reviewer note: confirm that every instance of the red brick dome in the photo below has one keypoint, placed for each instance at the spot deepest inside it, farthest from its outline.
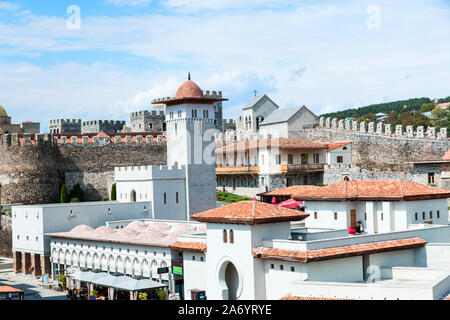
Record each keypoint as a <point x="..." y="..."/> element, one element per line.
<point x="189" y="89"/>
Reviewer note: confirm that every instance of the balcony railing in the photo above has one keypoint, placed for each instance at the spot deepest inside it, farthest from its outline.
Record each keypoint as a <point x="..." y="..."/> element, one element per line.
<point x="238" y="170"/>
<point x="317" y="167"/>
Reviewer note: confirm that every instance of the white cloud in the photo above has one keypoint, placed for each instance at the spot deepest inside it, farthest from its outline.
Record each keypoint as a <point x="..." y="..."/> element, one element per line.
<point x="321" y="56"/>
<point x="8" y="6"/>
<point x="123" y="3"/>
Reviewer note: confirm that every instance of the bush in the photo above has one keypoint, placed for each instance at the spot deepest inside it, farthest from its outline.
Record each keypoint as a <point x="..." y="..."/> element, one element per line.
<point x="142" y="296"/>
<point x="74" y="200"/>
<point x="114" y="192"/>
<point x="77" y="192"/>
<point x="64" y="197"/>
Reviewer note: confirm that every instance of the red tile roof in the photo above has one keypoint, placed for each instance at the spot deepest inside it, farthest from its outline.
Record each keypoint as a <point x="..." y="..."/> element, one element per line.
<point x="7" y="289"/>
<point x="337" y="145"/>
<point x="289" y="191"/>
<point x="337" y="252"/>
<point x="289" y="296"/>
<point x="372" y="190"/>
<point x="250" y="212"/>
<point x="281" y="143"/>
<point x="189" y="89"/>
<point x="446" y="155"/>
<point x="189" y="246"/>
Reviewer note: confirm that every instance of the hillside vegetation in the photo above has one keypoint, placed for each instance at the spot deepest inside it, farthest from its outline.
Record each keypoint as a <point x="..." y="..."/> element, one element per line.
<point x="412" y="112"/>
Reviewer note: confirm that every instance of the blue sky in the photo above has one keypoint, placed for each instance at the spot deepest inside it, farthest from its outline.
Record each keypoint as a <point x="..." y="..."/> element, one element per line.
<point x="328" y="55"/>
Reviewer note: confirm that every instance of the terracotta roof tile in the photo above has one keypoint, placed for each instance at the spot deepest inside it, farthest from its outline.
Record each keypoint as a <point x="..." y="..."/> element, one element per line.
<point x="250" y="212"/>
<point x="337" y="145"/>
<point x="289" y="191"/>
<point x="289" y="296"/>
<point x="371" y="190"/>
<point x="189" y="246"/>
<point x="8" y="289"/>
<point x="337" y="252"/>
<point x="446" y="155"/>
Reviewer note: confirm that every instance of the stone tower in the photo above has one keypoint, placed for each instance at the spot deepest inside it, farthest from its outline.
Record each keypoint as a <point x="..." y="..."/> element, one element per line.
<point x="190" y="121"/>
<point x="190" y="142"/>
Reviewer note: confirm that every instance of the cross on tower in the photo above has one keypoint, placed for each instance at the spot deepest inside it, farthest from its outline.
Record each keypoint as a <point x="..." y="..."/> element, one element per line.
<point x="189" y="76"/>
<point x="256" y="92"/>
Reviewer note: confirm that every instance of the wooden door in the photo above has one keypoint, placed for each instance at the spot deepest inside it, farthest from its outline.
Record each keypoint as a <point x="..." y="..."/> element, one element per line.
<point x="353" y="218"/>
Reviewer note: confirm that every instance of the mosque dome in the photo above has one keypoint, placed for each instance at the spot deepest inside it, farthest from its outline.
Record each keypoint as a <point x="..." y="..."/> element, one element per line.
<point x="3" y="112"/>
<point x="189" y="89"/>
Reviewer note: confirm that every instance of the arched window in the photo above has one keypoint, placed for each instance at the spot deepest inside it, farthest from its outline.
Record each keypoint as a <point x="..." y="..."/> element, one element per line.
<point x="231" y="236"/>
<point x="177" y="197"/>
<point x="133" y="196"/>
<point x="165" y="198"/>
<point x="225" y="236"/>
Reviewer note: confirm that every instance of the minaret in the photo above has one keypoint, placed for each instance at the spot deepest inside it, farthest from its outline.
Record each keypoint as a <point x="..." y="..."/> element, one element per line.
<point x="190" y="143"/>
<point x="190" y="125"/>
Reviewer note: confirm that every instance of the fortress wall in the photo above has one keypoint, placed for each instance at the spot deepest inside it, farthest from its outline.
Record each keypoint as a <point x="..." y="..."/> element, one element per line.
<point x="33" y="168"/>
<point x="27" y="173"/>
<point x="380" y="153"/>
<point x="92" y="166"/>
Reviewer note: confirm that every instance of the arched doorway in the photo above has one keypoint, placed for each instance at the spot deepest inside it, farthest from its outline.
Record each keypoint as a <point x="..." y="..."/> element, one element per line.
<point x="229" y="280"/>
<point x="133" y="196"/>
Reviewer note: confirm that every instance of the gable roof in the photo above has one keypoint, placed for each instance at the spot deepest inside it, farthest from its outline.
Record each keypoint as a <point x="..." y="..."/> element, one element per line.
<point x="281" y="115"/>
<point x="251" y="213"/>
<point x="255" y="101"/>
<point x="337" y="252"/>
<point x="389" y="190"/>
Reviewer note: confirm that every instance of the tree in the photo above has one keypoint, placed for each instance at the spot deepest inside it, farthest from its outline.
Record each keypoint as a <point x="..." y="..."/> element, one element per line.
<point x="64" y="197"/>
<point x="76" y="192"/>
<point x="113" y="192"/>
<point x="427" y="107"/>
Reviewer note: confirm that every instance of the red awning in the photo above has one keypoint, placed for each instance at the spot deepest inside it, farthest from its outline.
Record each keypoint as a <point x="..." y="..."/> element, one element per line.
<point x="291" y="203"/>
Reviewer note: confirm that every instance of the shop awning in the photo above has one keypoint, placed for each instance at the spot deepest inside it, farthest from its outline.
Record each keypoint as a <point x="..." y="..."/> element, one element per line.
<point x="88" y="276"/>
<point x="130" y="284"/>
<point x="122" y="282"/>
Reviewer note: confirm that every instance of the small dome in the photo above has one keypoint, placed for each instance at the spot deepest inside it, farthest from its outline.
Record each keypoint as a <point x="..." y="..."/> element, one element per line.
<point x="82" y="229"/>
<point x="3" y="112"/>
<point x="189" y="89"/>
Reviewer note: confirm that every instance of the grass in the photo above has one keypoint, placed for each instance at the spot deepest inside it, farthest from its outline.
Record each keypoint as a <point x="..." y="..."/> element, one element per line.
<point x="230" y="198"/>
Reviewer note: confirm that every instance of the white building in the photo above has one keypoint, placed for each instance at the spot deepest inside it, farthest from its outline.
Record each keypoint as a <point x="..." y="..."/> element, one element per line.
<point x="31" y="247"/>
<point x="248" y="254"/>
<point x="255" y="113"/>
<point x="287" y="123"/>
<point x="187" y="184"/>
<point x="381" y="206"/>
<point x="255" y="166"/>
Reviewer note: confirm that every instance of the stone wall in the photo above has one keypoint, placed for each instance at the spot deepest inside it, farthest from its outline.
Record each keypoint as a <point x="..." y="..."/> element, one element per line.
<point x="33" y="167"/>
<point x="380" y="152"/>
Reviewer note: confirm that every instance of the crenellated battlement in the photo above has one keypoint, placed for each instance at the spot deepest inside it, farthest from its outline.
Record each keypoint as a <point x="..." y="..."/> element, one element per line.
<point x="106" y="122"/>
<point x="27" y="139"/>
<point x="382" y="129"/>
<point x="64" y="121"/>
<point x="146" y="113"/>
<point x="149" y="172"/>
<point x="212" y="94"/>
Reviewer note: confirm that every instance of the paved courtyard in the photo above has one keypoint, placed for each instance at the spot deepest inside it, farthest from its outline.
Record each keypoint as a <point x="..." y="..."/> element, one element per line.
<point x="34" y="290"/>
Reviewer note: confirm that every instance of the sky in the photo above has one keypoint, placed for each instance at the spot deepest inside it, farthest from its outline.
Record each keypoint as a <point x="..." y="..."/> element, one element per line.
<point x="104" y="59"/>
